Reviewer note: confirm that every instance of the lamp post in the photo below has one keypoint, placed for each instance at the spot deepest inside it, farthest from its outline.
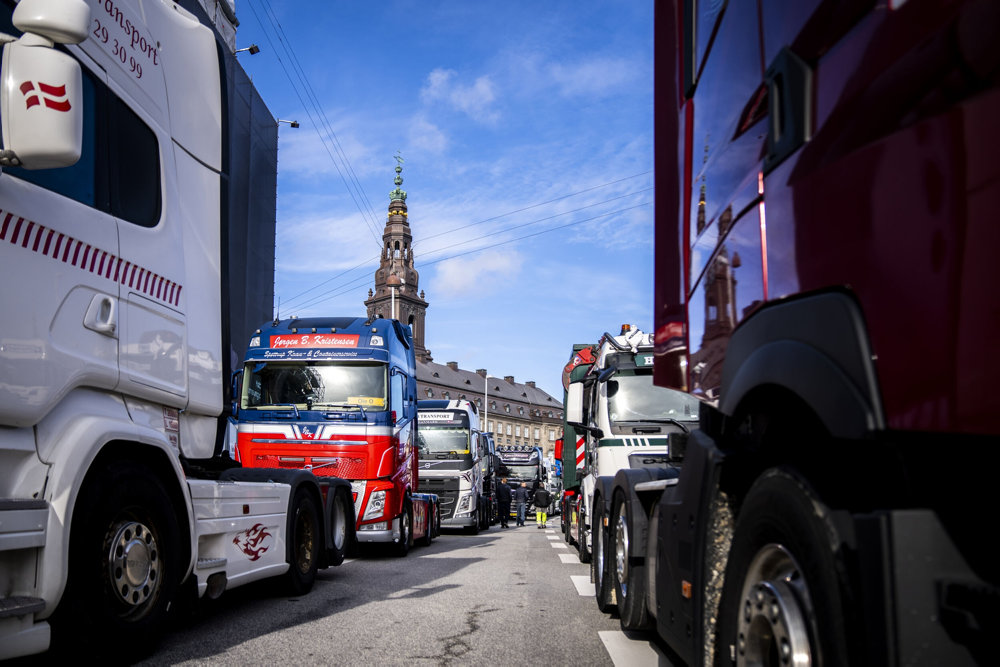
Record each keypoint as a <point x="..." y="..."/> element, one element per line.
<point x="486" y="400"/>
<point x="293" y="123"/>
<point x="393" y="281"/>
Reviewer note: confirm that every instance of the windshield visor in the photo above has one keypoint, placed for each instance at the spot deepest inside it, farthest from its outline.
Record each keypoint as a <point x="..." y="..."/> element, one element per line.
<point x="313" y="385"/>
<point x="632" y="397"/>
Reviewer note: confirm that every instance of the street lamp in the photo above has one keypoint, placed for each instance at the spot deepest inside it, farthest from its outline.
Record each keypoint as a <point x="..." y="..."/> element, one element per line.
<point x="253" y="49"/>
<point x="486" y="399"/>
<point x="393" y="281"/>
<point x="293" y="123"/>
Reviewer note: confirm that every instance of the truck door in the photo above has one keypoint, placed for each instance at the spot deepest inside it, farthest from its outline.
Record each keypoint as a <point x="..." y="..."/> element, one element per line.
<point x="59" y="251"/>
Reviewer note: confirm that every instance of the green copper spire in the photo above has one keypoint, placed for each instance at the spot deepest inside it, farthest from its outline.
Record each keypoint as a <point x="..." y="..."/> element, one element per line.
<point x="397" y="193"/>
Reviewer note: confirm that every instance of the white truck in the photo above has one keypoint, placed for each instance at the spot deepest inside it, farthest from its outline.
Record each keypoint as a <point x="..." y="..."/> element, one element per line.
<point x="128" y="229"/>
<point x="627" y="423"/>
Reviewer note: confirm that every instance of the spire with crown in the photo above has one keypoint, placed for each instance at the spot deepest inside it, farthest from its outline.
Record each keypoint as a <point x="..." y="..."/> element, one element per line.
<point x="397" y="193"/>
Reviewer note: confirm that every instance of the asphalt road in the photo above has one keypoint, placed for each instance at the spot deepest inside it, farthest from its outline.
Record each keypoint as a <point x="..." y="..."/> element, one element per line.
<point x="503" y="597"/>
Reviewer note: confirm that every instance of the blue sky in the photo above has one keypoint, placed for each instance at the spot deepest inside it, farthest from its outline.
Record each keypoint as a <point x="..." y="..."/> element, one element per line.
<point x="527" y="134"/>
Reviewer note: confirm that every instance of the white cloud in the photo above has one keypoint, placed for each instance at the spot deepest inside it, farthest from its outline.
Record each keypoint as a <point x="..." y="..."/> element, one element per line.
<point x="592" y="78"/>
<point x="480" y="273"/>
<point x="475" y="99"/>
<point x="426" y="136"/>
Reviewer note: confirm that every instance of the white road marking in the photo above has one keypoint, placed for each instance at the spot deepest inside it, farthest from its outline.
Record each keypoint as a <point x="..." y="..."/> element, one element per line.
<point x="569" y="558"/>
<point x="583" y="584"/>
<point x="631" y="652"/>
<point x="554" y="538"/>
<point x="558" y="545"/>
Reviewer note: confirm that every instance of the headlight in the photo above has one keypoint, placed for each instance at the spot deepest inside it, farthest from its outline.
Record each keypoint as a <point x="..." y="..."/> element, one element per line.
<point x="376" y="506"/>
<point x="466" y="504"/>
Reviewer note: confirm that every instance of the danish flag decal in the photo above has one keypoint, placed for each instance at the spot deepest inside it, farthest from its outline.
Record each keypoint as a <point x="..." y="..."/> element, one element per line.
<point x="54" y="97"/>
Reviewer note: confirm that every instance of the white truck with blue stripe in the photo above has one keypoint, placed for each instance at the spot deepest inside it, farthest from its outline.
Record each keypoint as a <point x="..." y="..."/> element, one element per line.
<point x="628" y="423"/>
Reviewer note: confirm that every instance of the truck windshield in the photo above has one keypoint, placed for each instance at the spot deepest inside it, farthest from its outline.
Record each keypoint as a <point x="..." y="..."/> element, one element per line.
<point x="438" y="440"/>
<point x="632" y="397"/>
<point x="313" y="385"/>
<point x="522" y="471"/>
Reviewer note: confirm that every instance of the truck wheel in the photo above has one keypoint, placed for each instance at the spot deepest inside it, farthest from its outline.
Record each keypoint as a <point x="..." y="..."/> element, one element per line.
<point x="437" y="519"/>
<point x="629" y="570"/>
<point x="124" y="564"/>
<point x="402" y="547"/>
<point x="341" y="523"/>
<point x="785" y="588"/>
<point x="599" y="563"/>
<point x="428" y="536"/>
<point x="303" y="542"/>
<point x="581" y="540"/>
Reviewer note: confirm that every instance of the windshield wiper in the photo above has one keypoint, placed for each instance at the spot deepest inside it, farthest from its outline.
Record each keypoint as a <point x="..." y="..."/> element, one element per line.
<point x="343" y="406"/>
<point x="295" y="410"/>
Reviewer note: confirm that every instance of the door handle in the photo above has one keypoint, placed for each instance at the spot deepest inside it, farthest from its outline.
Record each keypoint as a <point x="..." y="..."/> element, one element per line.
<point x="102" y="315"/>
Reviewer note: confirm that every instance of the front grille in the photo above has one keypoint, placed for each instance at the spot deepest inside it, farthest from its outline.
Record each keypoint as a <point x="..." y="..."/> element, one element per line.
<point x="447" y="491"/>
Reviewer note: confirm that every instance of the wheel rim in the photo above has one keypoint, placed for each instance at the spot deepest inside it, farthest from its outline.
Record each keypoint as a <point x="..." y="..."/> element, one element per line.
<point x="621" y="549"/>
<point x="404" y="528"/>
<point x="133" y="563"/>
<point x="774" y="611"/>
<point x="340" y="523"/>
<point x="305" y="542"/>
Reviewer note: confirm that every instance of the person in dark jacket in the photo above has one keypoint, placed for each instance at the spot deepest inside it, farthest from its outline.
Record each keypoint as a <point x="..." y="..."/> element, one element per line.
<point x="541" y="502"/>
<point x="503" y="502"/>
<point x="521" y="497"/>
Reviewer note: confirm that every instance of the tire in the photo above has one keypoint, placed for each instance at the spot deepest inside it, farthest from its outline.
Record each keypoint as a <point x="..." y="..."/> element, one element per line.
<point x="581" y="540"/>
<point x="437" y="519"/>
<point x="124" y="565"/>
<point x="303" y="543"/>
<point x="786" y="590"/>
<point x="341" y="527"/>
<point x="428" y="536"/>
<point x="402" y="547"/>
<point x="599" y="570"/>
<point x="629" y="569"/>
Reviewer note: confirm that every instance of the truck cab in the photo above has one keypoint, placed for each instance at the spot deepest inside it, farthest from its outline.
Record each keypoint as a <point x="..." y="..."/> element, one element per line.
<point x="454" y="456"/>
<point x="336" y="395"/>
<point x="625" y="420"/>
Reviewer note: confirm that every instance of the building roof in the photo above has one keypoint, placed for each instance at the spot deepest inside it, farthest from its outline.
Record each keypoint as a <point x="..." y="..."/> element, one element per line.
<point x="473" y="384"/>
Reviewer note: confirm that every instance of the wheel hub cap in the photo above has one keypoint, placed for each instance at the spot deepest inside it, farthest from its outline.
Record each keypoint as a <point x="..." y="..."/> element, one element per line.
<point x="133" y="563"/>
<point x="773" y="624"/>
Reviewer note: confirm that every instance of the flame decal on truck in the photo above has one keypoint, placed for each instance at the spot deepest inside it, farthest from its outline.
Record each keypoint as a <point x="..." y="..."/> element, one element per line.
<point x="49" y="94"/>
<point x="253" y="541"/>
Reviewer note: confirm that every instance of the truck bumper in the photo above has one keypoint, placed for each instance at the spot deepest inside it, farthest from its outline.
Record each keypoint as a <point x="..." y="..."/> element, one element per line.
<point x="368" y="535"/>
<point x="460" y="521"/>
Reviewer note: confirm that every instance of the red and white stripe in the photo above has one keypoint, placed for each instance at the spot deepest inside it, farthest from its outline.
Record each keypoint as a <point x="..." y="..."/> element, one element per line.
<point x="61" y="247"/>
<point x="580" y="452"/>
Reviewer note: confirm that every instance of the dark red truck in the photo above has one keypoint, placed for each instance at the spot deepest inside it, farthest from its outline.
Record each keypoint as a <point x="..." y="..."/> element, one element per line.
<point x="827" y="226"/>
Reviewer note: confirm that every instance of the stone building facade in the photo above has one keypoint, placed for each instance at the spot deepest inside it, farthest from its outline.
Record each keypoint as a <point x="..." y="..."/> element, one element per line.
<point x="516" y="413"/>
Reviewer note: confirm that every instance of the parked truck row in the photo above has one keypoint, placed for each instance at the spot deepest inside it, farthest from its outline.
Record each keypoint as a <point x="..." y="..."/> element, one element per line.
<point x="824" y="209"/>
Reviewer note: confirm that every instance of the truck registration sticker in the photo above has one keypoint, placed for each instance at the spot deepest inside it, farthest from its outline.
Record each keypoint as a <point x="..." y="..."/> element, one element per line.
<point x="372" y="401"/>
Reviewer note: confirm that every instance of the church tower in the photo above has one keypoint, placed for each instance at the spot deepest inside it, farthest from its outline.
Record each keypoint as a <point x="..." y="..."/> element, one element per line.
<point x="396" y="294"/>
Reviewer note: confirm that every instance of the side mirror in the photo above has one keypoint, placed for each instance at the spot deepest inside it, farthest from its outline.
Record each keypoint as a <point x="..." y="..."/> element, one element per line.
<point x="41" y="94"/>
<point x="574" y="402"/>
<point x="235" y="386"/>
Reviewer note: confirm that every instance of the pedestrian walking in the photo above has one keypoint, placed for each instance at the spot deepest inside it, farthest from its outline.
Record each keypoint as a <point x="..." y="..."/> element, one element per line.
<point x="541" y="501"/>
<point x="521" y="497"/>
<point x="503" y="502"/>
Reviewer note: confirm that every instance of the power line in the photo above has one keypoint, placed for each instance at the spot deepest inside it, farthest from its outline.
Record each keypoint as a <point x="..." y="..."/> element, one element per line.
<point x="315" y="123"/>
<point x="528" y="208"/>
<point x="349" y="288"/>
